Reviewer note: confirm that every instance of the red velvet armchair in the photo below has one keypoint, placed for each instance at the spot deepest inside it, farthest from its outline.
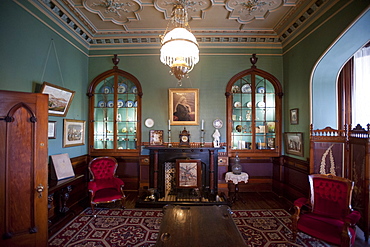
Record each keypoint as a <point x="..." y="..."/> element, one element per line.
<point x="328" y="214"/>
<point x="104" y="187"/>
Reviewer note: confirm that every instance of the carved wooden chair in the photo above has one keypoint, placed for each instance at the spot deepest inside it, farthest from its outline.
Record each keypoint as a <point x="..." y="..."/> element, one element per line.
<point x="104" y="187"/>
<point x="327" y="215"/>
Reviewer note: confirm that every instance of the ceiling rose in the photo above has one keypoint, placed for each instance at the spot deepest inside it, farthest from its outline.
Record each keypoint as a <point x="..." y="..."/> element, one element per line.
<point x="245" y="11"/>
<point x="195" y="8"/>
<point x="116" y="11"/>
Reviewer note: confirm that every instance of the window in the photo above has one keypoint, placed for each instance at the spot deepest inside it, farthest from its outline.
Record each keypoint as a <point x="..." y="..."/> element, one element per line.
<point x="354" y="90"/>
<point x="361" y="87"/>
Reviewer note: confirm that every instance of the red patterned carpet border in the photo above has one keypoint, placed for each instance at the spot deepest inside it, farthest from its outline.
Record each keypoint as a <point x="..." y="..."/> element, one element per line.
<point x="140" y="227"/>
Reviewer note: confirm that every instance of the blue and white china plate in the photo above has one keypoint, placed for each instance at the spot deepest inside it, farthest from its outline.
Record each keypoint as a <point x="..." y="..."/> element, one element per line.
<point x="246" y="88"/>
<point x="217" y="123"/>
<point x="106" y="89"/>
<point x="261" y="90"/>
<point x="122" y="88"/>
<point x="120" y="103"/>
<point x="135" y="103"/>
<point x="110" y="103"/>
<point x="101" y="103"/>
<point x="129" y="103"/>
<point x="134" y="89"/>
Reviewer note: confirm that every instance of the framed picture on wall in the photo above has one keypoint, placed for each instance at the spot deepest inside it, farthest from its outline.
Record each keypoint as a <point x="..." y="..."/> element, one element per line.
<point x="294" y="143"/>
<point x="156" y="137"/>
<point x="59" y="99"/>
<point x="74" y="133"/>
<point x="52" y="129"/>
<point x="183" y="106"/>
<point x="188" y="173"/>
<point x="294" y="116"/>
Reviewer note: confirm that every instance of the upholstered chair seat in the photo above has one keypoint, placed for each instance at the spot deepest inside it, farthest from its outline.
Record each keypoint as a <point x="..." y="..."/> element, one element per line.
<point x="104" y="187"/>
<point x="327" y="215"/>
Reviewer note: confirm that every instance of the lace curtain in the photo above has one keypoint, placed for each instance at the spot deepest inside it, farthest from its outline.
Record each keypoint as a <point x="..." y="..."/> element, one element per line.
<point x="361" y="92"/>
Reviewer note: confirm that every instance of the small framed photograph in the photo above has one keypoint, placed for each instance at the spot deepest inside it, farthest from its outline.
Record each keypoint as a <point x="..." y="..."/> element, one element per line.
<point x="156" y="137"/>
<point x="59" y="99"/>
<point x="294" y="116"/>
<point x="52" y="129"/>
<point x="188" y="173"/>
<point x="74" y="133"/>
<point x="294" y="143"/>
<point x="183" y="106"/>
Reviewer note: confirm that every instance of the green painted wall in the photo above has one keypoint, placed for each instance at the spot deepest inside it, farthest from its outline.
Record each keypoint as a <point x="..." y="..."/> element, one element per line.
<point x="300" y="59"/>
<point x="210" y="75"/>
<point x="25" y="64"/>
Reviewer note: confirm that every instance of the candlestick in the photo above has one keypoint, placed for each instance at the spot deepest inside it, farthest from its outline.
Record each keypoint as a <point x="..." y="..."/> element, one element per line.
<point x="169" y="138"/>
<point x="202" y="124"/>
<point x="169" y="125"/>
<point x="202" y="138"/>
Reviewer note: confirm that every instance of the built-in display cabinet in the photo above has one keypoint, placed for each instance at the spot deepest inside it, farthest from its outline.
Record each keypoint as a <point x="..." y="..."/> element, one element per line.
<point x="253" y="99"/>
<point x="115" y="113"/>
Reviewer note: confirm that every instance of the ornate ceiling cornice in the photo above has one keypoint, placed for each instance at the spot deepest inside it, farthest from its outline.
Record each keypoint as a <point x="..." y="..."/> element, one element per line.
<point x="66" y="12"/>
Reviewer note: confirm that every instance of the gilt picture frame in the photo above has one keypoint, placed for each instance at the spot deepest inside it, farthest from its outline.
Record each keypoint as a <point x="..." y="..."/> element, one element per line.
<point x="188" y="173"/>
<point x="60" y="99"/>
<point x="183" y="106"/>
<point x="294" y="143"/>
<point x="74" y="133"/>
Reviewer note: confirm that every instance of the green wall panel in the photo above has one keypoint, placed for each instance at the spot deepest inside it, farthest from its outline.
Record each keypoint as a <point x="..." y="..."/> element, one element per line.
<point x="32" y="53"/>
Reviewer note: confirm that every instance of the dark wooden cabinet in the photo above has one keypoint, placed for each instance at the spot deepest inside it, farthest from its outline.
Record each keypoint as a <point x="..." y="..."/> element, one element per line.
<point x="68" y="197"/>
<point x="253" y="100"/>
<point x="115" y="114"/>
<point x="115" y="121"/>
<point x="23" y="169"/>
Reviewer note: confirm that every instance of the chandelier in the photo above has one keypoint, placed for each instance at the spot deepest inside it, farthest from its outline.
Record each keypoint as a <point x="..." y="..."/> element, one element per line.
<point x="179" y="47"/>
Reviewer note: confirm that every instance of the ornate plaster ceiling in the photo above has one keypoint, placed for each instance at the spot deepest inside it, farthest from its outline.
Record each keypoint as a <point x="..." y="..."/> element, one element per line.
<point x="140" y="22"/>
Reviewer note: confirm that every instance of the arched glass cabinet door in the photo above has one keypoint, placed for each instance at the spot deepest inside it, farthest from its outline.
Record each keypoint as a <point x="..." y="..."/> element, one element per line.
<point x="253" y="99"/>
<point x="115" y="114"/>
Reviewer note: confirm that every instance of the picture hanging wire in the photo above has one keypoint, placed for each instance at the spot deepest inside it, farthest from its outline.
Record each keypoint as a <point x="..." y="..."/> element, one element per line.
<point x="46" y="62"/>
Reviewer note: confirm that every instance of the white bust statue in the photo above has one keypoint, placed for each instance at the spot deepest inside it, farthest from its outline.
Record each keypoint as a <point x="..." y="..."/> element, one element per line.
<point x="216" y="139"/>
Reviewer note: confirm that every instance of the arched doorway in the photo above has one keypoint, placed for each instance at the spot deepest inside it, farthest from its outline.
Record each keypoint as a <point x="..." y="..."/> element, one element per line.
<point x="325" y="73"/>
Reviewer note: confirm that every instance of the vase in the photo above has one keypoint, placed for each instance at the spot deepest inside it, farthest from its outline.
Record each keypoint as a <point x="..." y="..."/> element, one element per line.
<point x="236" y="168"/>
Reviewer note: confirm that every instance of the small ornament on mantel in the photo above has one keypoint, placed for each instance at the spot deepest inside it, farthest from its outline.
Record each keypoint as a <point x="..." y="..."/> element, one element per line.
<point x="217" y="123"/>
<point x="216" y="138"/>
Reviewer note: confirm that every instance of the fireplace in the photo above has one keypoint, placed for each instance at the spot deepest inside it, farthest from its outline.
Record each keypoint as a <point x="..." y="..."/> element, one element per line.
<point x="164" y="172"/>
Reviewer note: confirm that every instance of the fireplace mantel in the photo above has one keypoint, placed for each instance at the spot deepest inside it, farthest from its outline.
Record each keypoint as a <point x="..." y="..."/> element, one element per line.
<point x="161" y="154"/>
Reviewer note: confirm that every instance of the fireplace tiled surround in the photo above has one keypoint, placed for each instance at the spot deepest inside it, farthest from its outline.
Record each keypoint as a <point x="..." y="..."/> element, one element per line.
<point x="162" y="174"/>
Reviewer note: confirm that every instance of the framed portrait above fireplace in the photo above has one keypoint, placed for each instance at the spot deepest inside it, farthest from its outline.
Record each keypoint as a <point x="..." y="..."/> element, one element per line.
<point x="188" y="173"/>
<point x="183" y="106"/>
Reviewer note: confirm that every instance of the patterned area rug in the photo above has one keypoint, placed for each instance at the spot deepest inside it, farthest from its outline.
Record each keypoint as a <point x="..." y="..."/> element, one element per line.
<point x="140" y="227"/>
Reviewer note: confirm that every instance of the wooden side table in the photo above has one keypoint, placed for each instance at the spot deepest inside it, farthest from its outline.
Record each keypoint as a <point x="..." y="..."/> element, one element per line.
<point x="236" y="179"/>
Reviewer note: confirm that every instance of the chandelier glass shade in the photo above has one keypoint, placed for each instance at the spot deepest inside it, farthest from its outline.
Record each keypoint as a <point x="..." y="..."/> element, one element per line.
<point x="179" y="47"/>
